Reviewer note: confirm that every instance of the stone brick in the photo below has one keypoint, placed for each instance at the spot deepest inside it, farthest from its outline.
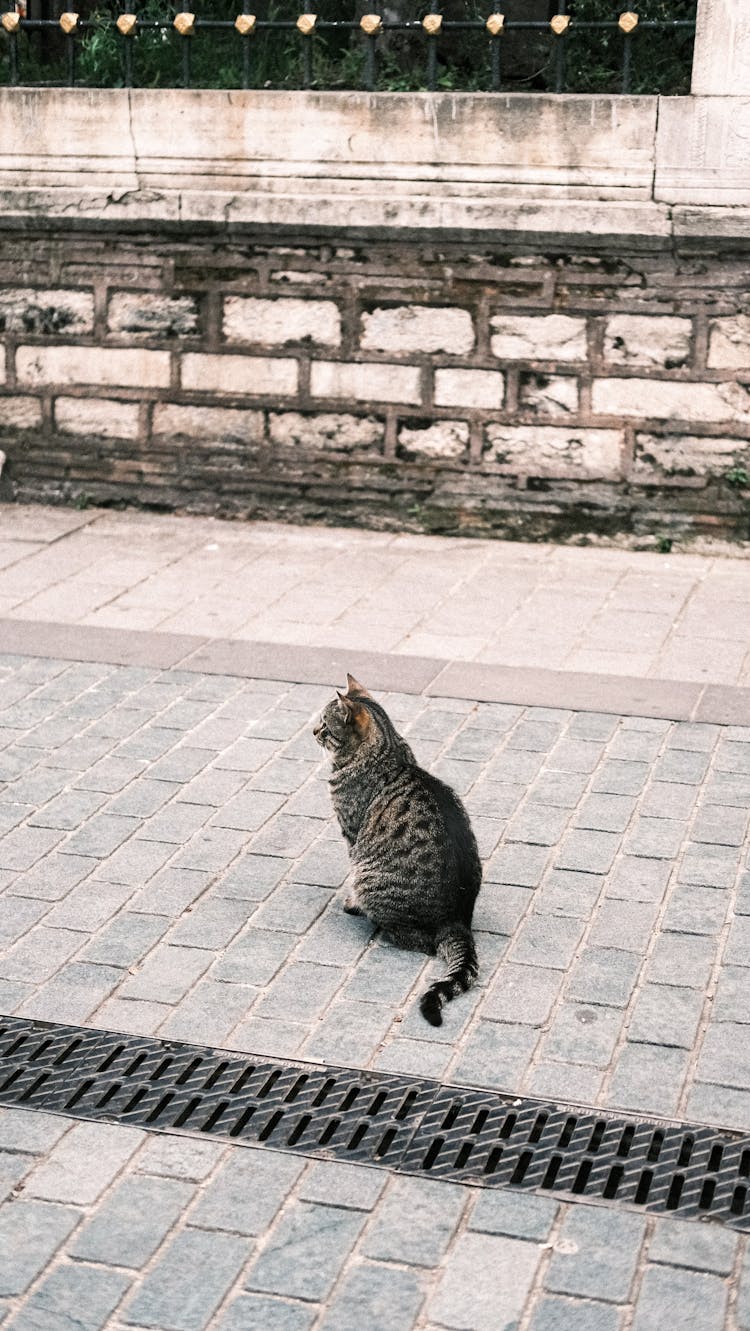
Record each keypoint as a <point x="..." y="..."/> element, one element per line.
<point x="32" y="1133"/>
<point x="30" y="1234"/>
<point x="517" y="1214"/>
<point x="728" y="343"/>
<point x="551" y="450"/>
<point x="695" y="910"/>
<point x="565" y="892"/>
<point x="231" y="425"/>
<point x="522" y="994"/>
<point x="32" y="310"/>
<point x="655" y="838"/>
<point x="668" y="400"/>
<point x="239" y="375"/>
<point x="292" y="908"/>
<point x="443" y="441"/>
<point x="167" y="974"/>
<point x="604" y="975"/>
<point x="254" y="1312"/>
<point x="496" y="1055"/>
<point x="618" y="777"/>
<point x="101" y="835"/>
<point x="420" y="328"/>
<point x="489" y="1274"/>
<point x="637" y="879"/>
<point x="591" y="852"/>
<point x="547" y="394"/>
<point x="375" y="1296"/>
<point x="683" y="1298"/>
<point x="682" y="959"/>
<point x="248" y="1190"/>
<point x="605" y="813"/>
<point x="339" y="432"/>
<point x="699" y="1247"/>
<point x="19" y="413"/>
<point x="469" y="388"/>
<point x="546" y="940"/>
<point x="648" y="1079"/>
<point x="125" y="367"/>
<point x="274" y="323"/>
<point x="254" y="958"/>
<point x="583" y="1034"/>
<point x="724" y="1058"/>
<point x="666" y="1014"/>
<point x="152" y="313"/>
<point x="627" y="925"/>
<point x="128" y="938"/>
<point x="596" y="1253"/>
<point x="675" y="456"/>
<point x="301" y="992"/>
<point x="365" y="381"/>
<point x="645" y="339"/>
<point x="180" y="1157"/>
<point x="37" y="955"/>
<point x="111" y="1236"/>
<point x="708" y="865"/>
<point x="73" y="994"/>
<point x="557" y="1314"/>
<point x="720" y="826"/>
<point x="305" y="1251"/>
<point x="84" y="1163"/>
<point x="549" y="337"/>
<point x="335" y="1184"/>
<point x="185" y="1287"/>
<point x="732" y="999"/>
<point x="518" y="864"/>
<point x="415" y="1222"/>
<point x="91" y="1291"/>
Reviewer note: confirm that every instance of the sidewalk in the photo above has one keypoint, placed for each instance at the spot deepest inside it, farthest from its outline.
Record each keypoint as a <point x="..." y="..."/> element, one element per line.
<point x="169" y="867"/>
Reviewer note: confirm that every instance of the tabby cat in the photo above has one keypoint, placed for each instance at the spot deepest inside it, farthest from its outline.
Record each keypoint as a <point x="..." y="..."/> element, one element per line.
<point x="415" y="865"/>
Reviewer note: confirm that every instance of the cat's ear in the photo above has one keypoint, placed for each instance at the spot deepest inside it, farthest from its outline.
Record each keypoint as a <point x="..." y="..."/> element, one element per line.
<point x="354" y="713"/>
<point x="353" y="686"/>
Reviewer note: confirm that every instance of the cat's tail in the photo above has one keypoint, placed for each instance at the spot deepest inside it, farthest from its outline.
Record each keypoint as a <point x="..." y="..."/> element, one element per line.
<point x="455" y="945"/>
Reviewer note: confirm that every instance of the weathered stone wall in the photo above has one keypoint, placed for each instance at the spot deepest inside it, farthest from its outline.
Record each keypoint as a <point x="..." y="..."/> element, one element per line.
<point x="465" y="387"/>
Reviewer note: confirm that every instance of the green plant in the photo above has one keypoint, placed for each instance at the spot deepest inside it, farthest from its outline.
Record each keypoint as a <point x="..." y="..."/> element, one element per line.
<point x="737" y="476"/>
<point x="664" y="545"/>
<point x="82" y="500"/>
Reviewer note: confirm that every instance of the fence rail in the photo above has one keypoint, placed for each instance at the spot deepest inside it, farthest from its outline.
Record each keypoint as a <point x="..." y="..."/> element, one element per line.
<point x="76" y="60"/>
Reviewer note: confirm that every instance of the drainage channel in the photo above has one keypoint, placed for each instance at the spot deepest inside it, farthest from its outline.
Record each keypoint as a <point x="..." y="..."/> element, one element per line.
<point x="409" y="1125"/>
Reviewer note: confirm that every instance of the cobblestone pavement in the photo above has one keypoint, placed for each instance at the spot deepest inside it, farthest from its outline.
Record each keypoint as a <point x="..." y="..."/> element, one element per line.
<point x="666" y="616"/>
<point x="169" y="864"/>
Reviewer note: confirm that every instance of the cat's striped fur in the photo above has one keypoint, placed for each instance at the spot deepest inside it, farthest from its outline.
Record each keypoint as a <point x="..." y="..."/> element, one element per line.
<point x="415" y="865"/>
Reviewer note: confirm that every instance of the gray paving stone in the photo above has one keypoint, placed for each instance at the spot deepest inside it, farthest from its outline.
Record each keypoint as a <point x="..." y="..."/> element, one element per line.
<point x="565" y="892"/>
<point x="17" y="915"/>
<point x="152" y="742"/>
<point x="248" y="1190"/>
<point x="537" y="825"/>
<point x="143" y="797"/>
<point x="313" y="800"/>
<point x="40" y="953"/>
<point x="265" y="1035"/>
<point x="634" y="879"/>
<point x="725" y="1056"/>
<point x="635" y="745"/>
<point x="73" y="994"/>
<point x="592" y="725"/>
<point x="214" y="787"/>
<point x="286" y="835"/>
<point x="88" y="906"/>
<point x="500" y="908"/>
<point x="605" y="813"/>
<point x="301" y="991"/>
<point x="415" y="1222"/>
<point x="732" y="997"/>
<point x="132" y="1221"/>
<point x="538" y="736"/>
<point x="729" y="788"/>
<point x="701" y="1247"/>
<point x="254" y="1312"/>
<point x="519" y="1215"/>
<point x="252" y="877"/>
<point x="709" y="865"/>
<point x="91" y="1291"/>
<point x="326" y="864"/>
<point x="254" y="958"/>
<point x="126" y="940"/>
<point x="69" y="810"/>
<point x="132" y="1016"/>
<point x="492" y="799"/>
<point x="722" y="1105"/>
<point x="681" y="959"/>
<point x="596" y="1253"/>
<point x="417" y="1058"/>
<point x="22" y="847"/>
<point x="212" y="849"/>
<point x="687" y="1300"/>
<point x="12" y="994"/>
<point x="111" y="774"/>
<point x="175" y="823"/>
<point x="305" y="1251"/>
<point x="618" y="777"/>
<point x="495" y="1055"/>
<point x="719" y="825"/>
<point x="284" y="774"/>
<point x="83" y="1163"/>
<point x="211" y="923"/>
<point x="209" y="1013"/>
<point x="101" y="836"/>
<point x="695" y="910"/>
<point x="583" y="1034"/>
<point x="589" y="852"/>
<point x="13" y="1170"/>
<point x="350" y="1032"/>
<point x="665" y="1014"/>
<point x="167" y="973"/>
<point x="384" y="1297"/>
<point x="245" y="755"/>
<point x="514" y="768"/>
<point x="180" y="1157"/>
<point x="668" y="799"/>
<point x="742" y="899"/>
<point x="565" y="1083"/>
<point x="522" y="994"/>
<point x="655" y="838"/>
<point x="41" y="784"/>
<point x="292" y="907"/>
<point x="682" y="765"/>
<point x="248" y="810"/>
<point x="489" y="1274"/>
<point x="693" y="735"/>
<point x="545" y="940"/>
<point x="36" y="1134"/>
<point x="560" y="789"/>
<point x="185" y="1287"/>
<point x="627" y="925"/>
<point x="182" y="764"/>
<point x="604" y="975"/>
<point x="170" y="892"/>
<point x="30" y="1234"/>
<point x="357" y="1187"/>
<point x="560" y="1314"/>
<point x="737" y="950"/>
<point x="575" y="755"/>
<point x="648" y="1078"/>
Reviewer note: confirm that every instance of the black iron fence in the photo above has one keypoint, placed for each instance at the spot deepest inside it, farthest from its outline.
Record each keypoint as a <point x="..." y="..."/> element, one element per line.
<point x="573" y="48"/>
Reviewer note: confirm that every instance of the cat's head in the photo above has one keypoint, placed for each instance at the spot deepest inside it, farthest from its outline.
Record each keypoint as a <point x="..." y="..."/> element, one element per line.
<point x="348" y="721"/>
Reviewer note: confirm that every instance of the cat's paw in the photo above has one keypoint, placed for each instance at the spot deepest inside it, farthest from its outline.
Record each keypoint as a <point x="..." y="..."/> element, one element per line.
<point x="351" y="907"/>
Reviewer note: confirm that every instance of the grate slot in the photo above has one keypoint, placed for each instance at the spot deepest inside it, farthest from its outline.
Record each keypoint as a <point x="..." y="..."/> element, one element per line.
<point x="414" y="1127"/>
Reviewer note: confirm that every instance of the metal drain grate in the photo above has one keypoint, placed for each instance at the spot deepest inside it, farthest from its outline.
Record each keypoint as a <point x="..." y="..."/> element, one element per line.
<point x="409" y="1125"/>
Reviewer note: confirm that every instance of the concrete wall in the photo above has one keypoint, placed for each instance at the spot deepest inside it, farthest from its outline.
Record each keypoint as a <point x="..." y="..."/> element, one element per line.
<point x="521" y="314"/>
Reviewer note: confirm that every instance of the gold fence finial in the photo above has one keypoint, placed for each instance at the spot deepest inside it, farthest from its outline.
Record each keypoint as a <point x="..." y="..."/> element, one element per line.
<point x="495" y="24"/>
<point x="245" y="24"/>
<point x="127" y="24"/>
<point x="69" y="22"/>
<point x="11" y="21"/>
<point x="371" y="24"/>
<point x="628" y="21"/>
<point x="432" y="23"/>
<point x="560" y="24"/>
<point x="306" y="24"/>
<point x="185" y="24"/>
